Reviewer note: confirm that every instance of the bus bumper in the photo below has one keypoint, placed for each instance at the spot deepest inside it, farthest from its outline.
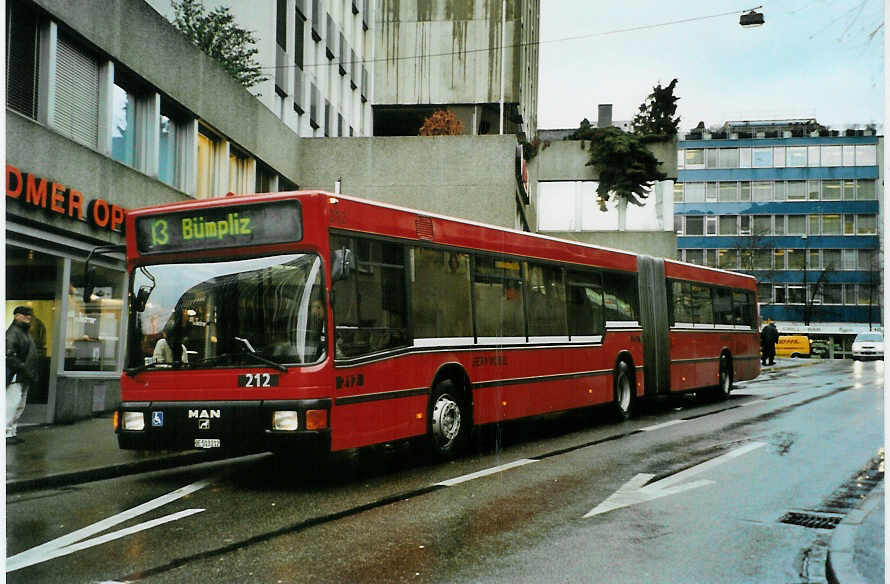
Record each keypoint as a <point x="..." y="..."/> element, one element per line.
<point x="231" y="426"/>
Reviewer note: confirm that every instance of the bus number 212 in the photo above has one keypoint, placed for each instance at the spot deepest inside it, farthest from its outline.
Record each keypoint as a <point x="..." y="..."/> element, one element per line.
<point x="258" y="380"/>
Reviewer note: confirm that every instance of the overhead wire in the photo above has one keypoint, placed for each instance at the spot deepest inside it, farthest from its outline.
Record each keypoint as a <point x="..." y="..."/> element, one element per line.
<point x="335" y="61"/>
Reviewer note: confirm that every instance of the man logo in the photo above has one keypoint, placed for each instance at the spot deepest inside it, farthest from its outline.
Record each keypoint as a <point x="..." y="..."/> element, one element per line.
<point x="204" y="424"/>
<point x="204" y="414"/>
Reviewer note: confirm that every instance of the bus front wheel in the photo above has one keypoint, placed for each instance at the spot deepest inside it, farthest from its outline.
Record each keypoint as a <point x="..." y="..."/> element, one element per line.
<point x="624" y="394"/>
<point x="449" y="420"/>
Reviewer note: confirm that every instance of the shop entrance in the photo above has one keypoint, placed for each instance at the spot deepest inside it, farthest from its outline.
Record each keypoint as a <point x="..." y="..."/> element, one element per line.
<point x="32" y="279"/>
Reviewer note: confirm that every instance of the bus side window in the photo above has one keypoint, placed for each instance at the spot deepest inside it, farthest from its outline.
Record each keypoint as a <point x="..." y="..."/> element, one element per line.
<point x="681" y="304"/>
<point x="621" y="297"/>
<point x="723" y="306"/>
<point x="440" y="293"/>
<point x="370" y="305"/>
<point x="585" y="304"/>
<point x="497" y="290"/>
<point x="546" y="300"/>
<point x="702" y="305"/>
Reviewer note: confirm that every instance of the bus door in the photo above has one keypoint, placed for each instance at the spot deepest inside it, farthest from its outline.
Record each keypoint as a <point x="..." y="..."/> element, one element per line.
<point x="654" y="321"/>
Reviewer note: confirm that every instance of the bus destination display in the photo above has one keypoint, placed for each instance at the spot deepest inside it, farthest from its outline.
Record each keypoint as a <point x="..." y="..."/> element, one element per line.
<point x="212" y="228"/>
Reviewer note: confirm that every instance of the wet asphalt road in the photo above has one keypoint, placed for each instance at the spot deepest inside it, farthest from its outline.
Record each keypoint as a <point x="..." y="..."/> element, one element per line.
<point x="719" y="477"/>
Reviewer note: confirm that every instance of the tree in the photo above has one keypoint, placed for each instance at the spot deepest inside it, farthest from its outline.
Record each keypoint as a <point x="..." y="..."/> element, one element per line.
<point x="656" y="117"/>
<point x="216" y="33"/>
<point x="441" y="123"/>
<point x="626" y="168"/>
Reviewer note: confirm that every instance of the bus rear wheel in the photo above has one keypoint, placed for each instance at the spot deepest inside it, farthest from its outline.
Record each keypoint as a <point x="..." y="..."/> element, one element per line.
<point x="449" y="420"/>
<point x="624" y="396"/>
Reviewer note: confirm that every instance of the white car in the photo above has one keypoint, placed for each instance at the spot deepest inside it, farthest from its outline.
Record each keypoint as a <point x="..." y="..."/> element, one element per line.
<point x="868" y="346"/>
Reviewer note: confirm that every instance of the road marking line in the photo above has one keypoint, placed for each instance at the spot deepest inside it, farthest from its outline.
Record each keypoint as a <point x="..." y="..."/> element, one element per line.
<point x="486" y="472"/>
<point x="70" y="549"/>
<point x="636" y="490"/>
<point x="660" y="426"/>
<point x="24" y="558"/>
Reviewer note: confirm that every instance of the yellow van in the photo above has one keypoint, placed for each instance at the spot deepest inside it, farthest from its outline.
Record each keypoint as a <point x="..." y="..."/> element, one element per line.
<point x="793" y="346"/>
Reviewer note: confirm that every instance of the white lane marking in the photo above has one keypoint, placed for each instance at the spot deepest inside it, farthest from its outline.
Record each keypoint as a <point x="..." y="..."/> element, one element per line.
<point x="486" y="472"/>
<point x="660" y="426"/>
<point x="633" y="491"/>
<point x="64" y="551"/>
<point x="25" y="557"/>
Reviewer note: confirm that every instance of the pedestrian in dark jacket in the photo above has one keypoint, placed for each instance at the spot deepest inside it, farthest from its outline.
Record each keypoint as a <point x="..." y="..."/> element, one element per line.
<point x="21" y="368"/>
<point x="769" y="336"/>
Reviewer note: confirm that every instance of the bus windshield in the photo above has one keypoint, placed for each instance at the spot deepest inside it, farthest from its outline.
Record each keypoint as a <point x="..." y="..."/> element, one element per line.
<point x="215" y="314"/>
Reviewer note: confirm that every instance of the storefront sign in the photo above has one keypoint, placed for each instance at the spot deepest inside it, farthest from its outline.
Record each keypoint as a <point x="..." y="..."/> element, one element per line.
<point x="56" y="199"/>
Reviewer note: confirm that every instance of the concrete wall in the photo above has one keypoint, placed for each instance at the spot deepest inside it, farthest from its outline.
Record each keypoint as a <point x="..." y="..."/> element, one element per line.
<point x="565" y="160"/>
<point x="471" y="177"/>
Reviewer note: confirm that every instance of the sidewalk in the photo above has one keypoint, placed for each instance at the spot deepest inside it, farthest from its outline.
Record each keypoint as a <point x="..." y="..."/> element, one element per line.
<point x="856" y="552"/>
<point x="65" y="454"/>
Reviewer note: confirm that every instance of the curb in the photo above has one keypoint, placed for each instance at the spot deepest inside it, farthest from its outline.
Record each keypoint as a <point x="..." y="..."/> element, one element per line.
<point x="840" y="567"/>
<point x="108" y="472"/>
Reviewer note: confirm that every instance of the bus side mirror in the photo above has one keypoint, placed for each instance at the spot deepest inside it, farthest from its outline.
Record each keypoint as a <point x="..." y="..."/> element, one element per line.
<point x="342" y="264"/>
<point x="141" y="299"/>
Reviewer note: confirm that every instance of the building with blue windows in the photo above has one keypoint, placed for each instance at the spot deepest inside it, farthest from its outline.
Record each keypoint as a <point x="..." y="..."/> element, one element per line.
<point x="798" y="206"/>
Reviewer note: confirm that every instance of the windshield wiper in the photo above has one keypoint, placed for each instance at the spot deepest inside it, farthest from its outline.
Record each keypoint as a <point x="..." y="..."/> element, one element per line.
<point x="252" y="352"/>
<point x="254" y="356"/>
<point x="134" y="371"/>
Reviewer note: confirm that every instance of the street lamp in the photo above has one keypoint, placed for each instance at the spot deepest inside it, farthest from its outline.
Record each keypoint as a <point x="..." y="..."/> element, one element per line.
<point x="751" y="19"/>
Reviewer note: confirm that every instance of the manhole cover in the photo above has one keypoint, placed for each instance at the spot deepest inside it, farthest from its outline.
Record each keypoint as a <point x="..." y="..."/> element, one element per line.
<point x="811" y="520"/>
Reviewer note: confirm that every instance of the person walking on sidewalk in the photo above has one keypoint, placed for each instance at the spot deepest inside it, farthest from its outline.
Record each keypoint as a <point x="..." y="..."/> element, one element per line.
<point x="769" y="336"/>
<point x="21" y="368"/>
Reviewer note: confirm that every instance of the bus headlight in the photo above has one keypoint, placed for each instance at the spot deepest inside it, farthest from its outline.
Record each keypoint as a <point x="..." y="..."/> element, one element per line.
<point x="285" y="420"/>
<point x="134" y="421"/>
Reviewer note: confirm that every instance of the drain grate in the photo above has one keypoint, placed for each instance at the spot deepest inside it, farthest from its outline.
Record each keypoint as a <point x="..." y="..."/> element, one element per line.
<point x="811" y="520"/>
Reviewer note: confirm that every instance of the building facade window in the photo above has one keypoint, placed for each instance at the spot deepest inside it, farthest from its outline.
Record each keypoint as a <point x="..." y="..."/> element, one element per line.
<point x="77" y="93"/>
<point x="22" y="60"/>
<point x="206" y="167"/>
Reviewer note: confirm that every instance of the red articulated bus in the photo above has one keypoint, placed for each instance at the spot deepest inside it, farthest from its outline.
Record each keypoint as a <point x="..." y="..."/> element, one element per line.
<point x="289" y="320"/>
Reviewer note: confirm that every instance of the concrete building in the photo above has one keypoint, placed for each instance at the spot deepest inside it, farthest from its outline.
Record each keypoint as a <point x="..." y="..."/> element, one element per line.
<point x="798" y="206"/>
<point x="318" y="56"/>
<point x="566" y="199"/>
<point x="109" y="108"/>
<point x="469" y="57"/>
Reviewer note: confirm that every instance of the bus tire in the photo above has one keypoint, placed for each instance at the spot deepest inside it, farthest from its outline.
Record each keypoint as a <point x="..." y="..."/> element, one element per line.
<point x="622" y="407"/>
<point x="724" y="378"/>
<point x="449" y="416"/>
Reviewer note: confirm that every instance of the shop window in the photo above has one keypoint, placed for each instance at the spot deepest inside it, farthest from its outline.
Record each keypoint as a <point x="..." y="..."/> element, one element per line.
<point x="77" y="93"/>
<point x="32" y="279"/>
<point x="92" y="329"/>
<point x="22" y="60"/>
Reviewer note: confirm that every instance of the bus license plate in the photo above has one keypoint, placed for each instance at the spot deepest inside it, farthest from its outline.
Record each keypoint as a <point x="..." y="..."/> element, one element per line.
<point x="207" y="443"/>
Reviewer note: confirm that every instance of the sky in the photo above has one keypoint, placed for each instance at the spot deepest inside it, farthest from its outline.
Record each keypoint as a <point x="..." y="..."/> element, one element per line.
<point x="812" y="59"/>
